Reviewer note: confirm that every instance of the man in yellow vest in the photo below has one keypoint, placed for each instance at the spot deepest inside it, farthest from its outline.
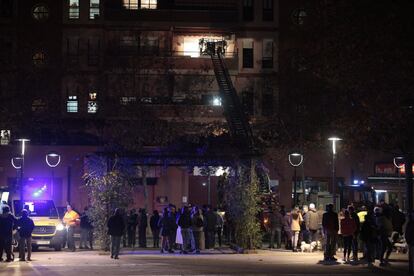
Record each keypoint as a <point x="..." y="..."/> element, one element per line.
<point x="70" y="220"/>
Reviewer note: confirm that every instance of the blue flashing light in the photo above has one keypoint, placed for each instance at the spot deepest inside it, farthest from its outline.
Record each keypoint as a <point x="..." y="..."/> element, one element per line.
<point x="355" y="181"/>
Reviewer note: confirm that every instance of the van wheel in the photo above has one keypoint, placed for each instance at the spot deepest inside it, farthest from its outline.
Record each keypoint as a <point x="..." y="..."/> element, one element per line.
<point x="58" y="247"/>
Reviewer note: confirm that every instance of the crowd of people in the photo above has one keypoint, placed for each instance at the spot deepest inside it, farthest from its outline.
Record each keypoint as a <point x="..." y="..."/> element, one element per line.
<point x="372" y="231"/>
<point x="191" y="229"/>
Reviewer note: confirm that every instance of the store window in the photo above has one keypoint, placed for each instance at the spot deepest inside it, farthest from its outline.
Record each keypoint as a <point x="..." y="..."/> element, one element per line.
<point x="248" y="53"/>
<point x="94" y="9"/>
<point x="40" y="12"/>
<point x="72" y="104"/>
<point x="73" y="9"/>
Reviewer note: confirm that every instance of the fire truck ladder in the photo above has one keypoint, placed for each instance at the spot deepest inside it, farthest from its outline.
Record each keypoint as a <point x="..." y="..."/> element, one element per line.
<point x="233" y="111"/>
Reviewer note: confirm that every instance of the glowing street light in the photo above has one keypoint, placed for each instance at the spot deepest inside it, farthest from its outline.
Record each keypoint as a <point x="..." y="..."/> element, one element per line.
<point x="52" y="160"/>
<point x="334" y="140"/>
<point x="295" y="160"/>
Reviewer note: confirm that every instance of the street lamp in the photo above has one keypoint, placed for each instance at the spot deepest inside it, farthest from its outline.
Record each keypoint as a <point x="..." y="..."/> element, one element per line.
<point x="399" y="166"/>
<point x="334" y="140"/>
<point x="23" y="142"/>
<point x="295" y="160"/>
<point x="52" y="160"/>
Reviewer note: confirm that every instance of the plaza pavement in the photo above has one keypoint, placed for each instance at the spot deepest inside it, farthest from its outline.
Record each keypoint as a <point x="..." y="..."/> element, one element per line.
<point x="217" y="262"/>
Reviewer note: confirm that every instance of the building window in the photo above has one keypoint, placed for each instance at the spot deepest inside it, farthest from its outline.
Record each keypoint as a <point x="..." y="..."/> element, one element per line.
<point x="72" y="50"/>
<point x="129" y="45"/>
<point x="92" y="103"/>
<point x="6" y="8"/>
<point x="127" y="100"/>
<point x="248" y="53"/>
<point x="267" y="10"/>
<point x="94" y="9"/>
<point x="130" y="4"/>
<point x="73" y="9"/>
<point x="148" y="4"/>
<point x="150" y="45"/>
<point x="39" y="59"/>
<point x="248" y="101"/>
<point x="72" y="104"/>
<point x="40" y="12"/>
<point x="93" y="51"/>
<point x="299" y="16"/>
<point x="267" y="101"/>
<point x="248" y="10"/>
<point x="267" y="59"/>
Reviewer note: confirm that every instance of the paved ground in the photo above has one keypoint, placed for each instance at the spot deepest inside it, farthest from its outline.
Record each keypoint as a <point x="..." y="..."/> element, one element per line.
<point x="150" y="262"/>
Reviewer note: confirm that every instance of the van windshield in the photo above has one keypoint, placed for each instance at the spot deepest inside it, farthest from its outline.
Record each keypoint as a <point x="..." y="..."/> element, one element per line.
<point x="37" y="208"/>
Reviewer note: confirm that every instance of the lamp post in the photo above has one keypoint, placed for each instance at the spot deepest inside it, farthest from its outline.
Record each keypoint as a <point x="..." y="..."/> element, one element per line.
<point x="52" y="160"/>
<point x="23" y="142"/>
<point x="295" y="160"/>
<point x="334" y="140"/>
<point x="399" y="166"/>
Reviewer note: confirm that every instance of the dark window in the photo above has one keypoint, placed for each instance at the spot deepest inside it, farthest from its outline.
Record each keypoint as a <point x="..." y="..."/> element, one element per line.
<point x="267" y="58"/>
<point x="267" y="10"/>
<point x="149" y="46"/>
<point x="299" y="16"/>
<point x="39" y="59"/>
<point x="93" y="51"/>
<point x="128" y="45"/>
<point x="267" y="102"/>
<point x="6" y="8"/>
<point x="248" y="101"/>
<point x="6" y="52"/>
<point x="248" y="53"/>
<point x="72" y="51"/>
<point x="248" y="10"/>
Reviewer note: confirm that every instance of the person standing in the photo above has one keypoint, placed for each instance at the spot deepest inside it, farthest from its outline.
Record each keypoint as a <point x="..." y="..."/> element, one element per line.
<point x="172" y="221"/>
<point x="355" y="237"/>
<point x="276" y="224"/>
<point x="219" y="226"/>
<point x="330" y="226"/>
<point x="142" y="228"/>
<point x="184" y="222"/>
<point x="210" y="227"/>
<point x="132" y="223"/>
<point x="287" y="229"/>
<point x="165" y="227"/>
<point x="7" y="224"/>
<point x="70" y="220"/>
<point x="295" y="222"/>
<point x="369" y="238"/>
<point x="116" y="228"/>
<point x="312" y="223"/>
<point x="155" y="229"/>
<point x="25" y="226"/>
<point x="197" y="225"/>
<point x="86" y="228"/>
<point x="348" y="229"/>
<point x="384" y="224"/>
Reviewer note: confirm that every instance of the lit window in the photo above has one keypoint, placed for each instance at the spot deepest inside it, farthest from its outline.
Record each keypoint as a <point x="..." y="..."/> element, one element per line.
<point x="72" y="104"/>
<point x="93" y="95"/>
<point x="148" y="4"/>
<point x="38" y="59"/>
<point x="191" y="46"/>
<point x="92" y="106"/>
<point x="4" y="137"/>
<point x="40" y="12"/>
<point x="299" y="16"/>
<point x="130" y="4"/>
<point x="216" y="101"/>
<point x="94" y="9"/>
<point x="73" y="9"/>
<point x="127" y="100"/>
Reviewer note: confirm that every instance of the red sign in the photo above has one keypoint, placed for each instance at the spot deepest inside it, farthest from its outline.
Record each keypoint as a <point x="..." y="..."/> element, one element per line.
<point x="385" y="169"/>
<point x="402" y="169"/>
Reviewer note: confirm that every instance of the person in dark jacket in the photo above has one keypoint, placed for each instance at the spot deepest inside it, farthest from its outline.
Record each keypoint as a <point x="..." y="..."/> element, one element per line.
<point x="330" y="226"/>
<point x="398" y="219"/>
<point x="184" y="221"/>
<point x="210" y="227"/>
<point x="355" y="217"/>
<point x="276" y="225"/>
<point x="155" y="229"/>
<point x="409" y="237"/>
<point x="287" y="229"/>
<point x="132" y="223"/>
<point x="25" y="226"/>
<point x="142" y="228"/>
<point x="86" y="228"/>
<point x="116" y="228"/>
<point x="165" y="227"/>
<point x="172" y="221"/>
<point x="369" y="237"/>
<point x="7" y="223"/>
<point x="384" y="224"/>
